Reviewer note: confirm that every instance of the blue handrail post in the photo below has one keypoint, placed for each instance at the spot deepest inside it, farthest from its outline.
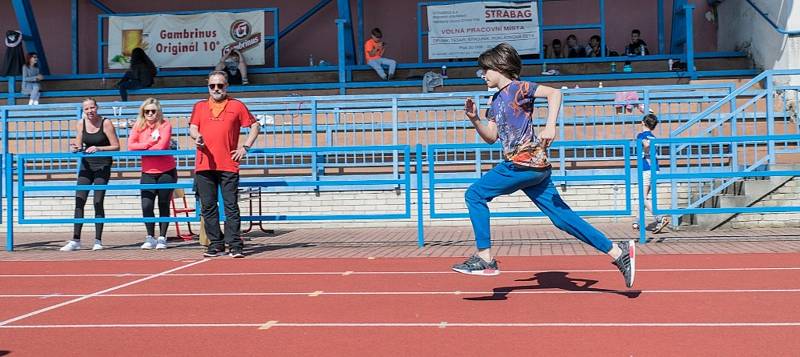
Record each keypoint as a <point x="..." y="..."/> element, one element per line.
<point x="420" y="186"/>
<point x="315" y="170"/>
<point x="690" y="41"/>
<point x="9" y="161"/>
<point x="420" y="34"/>
<point x="770" y="117"/>
<point x="12" y="88"/>
<point x="395" y="125"/>
<point x="602" y="4"/>
<point x="562" y="151"/>
<point x="661" y="43"/>
<point x="640" y="188"/>
<point x="341" y="57"/>
<point x="277" y="31"/>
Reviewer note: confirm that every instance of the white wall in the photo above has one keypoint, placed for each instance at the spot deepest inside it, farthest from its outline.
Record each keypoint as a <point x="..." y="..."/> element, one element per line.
<point x="741" y="28"/>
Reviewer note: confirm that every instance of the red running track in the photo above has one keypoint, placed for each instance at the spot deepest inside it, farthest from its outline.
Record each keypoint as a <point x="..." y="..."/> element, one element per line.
<point x="577" y="305"/>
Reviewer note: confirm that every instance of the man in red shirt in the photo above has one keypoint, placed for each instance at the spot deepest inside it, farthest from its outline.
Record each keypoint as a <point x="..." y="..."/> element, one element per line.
<point x="215" y="125"/>
<point x="373" y="54"/>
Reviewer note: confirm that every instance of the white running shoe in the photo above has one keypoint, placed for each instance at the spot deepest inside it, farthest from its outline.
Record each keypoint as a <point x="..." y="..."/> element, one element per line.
<point x="149" y="243"/>
<point x="162" y="243"/>
<point x="97" y="245"/>
<point x="72" y="245"/>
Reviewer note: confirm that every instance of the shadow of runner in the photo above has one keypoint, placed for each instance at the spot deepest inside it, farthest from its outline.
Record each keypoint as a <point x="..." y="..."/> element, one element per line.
<point x="554" y="280"/>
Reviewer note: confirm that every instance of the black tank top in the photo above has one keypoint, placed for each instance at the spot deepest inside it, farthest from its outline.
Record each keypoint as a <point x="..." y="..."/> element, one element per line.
<point x="96" y="139"/>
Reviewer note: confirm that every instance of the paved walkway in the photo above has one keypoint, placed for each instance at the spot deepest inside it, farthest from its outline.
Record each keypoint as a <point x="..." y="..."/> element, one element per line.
<point x="527" y="240"/>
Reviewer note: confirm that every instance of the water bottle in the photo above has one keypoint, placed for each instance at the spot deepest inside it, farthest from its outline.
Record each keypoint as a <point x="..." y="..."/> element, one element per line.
<point x="444" y="71"/>
<point x="600" y="85"/>
<point x="311" y="60"/>
<point x="613" y="67"/>
<point x="544" y="67"/>
<point x="641" y="49"/>
<point x="670" y="63"/>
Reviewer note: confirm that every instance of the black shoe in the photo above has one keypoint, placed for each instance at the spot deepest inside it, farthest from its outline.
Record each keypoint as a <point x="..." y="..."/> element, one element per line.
<point x="626" y="263"/>
<point x="475" y="265"/>
<point x="236" y="253"/>
<point x="213" y="252"/>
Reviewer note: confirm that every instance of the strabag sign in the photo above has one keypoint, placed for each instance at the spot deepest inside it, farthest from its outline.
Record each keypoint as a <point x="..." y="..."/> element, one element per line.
<point x="466" y="30"/>
<point x="197" y="40"/>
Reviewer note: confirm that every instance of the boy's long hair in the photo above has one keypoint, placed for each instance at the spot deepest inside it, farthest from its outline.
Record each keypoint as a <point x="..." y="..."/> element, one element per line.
<point x="502" y="58"/>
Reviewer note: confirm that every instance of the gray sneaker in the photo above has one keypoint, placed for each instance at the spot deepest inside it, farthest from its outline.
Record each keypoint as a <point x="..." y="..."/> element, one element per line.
<point x="626" y="263"/>
<point x="662" y="223"/>
<point x="474" y="265"/>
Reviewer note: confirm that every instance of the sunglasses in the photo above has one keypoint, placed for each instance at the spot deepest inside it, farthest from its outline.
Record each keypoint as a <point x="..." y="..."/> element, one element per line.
<point x="216" y="86"/>
<point x="150" y="111"/>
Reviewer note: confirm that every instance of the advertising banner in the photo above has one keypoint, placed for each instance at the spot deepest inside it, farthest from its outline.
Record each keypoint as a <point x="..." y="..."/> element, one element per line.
<point x="197" y="40"/>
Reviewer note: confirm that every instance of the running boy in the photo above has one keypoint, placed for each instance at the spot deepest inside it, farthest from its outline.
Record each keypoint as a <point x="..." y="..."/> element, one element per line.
<point x="510" y="120"/>
<point x="649" y="123"/>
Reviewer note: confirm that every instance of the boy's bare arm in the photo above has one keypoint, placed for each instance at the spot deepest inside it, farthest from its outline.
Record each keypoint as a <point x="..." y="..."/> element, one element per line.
<point x="553" y="96"/>
<point x="487" y="132"/>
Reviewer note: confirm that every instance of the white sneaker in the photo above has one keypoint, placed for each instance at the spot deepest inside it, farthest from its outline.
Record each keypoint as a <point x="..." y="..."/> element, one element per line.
<point x="149" y="243"/>
<point x="72" y="245"/>
<point x="162" y="243"/>
<point x="97" y="245"/>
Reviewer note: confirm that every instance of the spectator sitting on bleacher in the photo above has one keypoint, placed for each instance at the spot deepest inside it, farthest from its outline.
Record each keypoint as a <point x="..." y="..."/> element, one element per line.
<point x="31" y="78"/>
<point x="556" y="51"/>
<point x="235" y="66"/>
<point x="373" y="53"/>
<point x="139" y="75"/>
<point x="94" y="133"/>
<point x="637" y="45"/>
<point x="593" y="48"/>
<point x="152" y="132"/>
<point x="573" y="48"/>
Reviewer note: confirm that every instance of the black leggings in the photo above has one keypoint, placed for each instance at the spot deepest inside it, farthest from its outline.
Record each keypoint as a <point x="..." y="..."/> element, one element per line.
<point x="149" y="198"/>
<point x="91" y="176"/>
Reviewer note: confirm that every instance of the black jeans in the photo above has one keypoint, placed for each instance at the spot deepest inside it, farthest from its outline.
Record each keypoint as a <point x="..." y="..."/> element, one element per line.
<point x="206" y="185"/>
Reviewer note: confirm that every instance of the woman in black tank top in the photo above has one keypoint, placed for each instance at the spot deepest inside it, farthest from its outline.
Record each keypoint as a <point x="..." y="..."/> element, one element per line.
<point x="94" y="133"/>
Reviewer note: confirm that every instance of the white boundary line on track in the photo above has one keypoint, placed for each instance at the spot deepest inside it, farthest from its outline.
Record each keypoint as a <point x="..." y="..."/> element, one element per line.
<point x="274" y="324"/>
<point x="554" y="291"/>
<point x="350" y="273"/>
<point x="98" y="293"/>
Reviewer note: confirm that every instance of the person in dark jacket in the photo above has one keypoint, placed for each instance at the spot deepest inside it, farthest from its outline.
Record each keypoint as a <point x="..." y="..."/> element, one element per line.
<point x="139" y="75"/>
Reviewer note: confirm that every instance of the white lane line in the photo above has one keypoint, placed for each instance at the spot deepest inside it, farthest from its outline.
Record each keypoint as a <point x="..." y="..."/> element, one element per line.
<point x="268" y="324"/>
<point x="345" y="273"/>
<point x="68" y="302"/>
<point x="443" y="324"/>
<point x="276" y="324"/>
<point x="50" y="296"/>
<point x="447" y="292"/>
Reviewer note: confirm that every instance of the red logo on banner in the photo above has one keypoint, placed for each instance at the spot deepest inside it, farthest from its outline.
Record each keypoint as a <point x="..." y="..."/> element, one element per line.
<point x="240" y="29"/>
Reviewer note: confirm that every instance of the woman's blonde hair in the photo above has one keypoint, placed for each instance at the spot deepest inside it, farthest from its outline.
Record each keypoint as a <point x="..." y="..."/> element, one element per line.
<point x="140" y="119"/>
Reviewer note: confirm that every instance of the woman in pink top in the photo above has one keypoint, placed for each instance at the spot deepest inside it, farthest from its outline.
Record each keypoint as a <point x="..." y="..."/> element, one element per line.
<point x="152" y="132"/>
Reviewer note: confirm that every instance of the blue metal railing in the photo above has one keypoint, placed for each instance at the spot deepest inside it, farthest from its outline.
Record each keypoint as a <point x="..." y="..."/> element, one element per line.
<point x="465" y="178"/>
<point x="748" y="110"/>
<point x="775" y="26"/>
<point x="399" y="179"/>
<point x="685" y="175"/>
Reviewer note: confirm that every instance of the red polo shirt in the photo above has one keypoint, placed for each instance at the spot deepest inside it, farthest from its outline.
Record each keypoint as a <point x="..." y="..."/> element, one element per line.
<point x="220" y="134"/>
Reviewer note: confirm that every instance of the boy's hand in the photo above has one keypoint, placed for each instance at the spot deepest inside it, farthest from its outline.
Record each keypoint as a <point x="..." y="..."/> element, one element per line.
<point x="471" y="110"/>
<point x="547" y="136"/>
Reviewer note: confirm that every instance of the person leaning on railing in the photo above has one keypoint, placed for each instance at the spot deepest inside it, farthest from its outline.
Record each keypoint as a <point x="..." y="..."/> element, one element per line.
<point x="152" y="132"/>
<point x="94" y="133"/>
